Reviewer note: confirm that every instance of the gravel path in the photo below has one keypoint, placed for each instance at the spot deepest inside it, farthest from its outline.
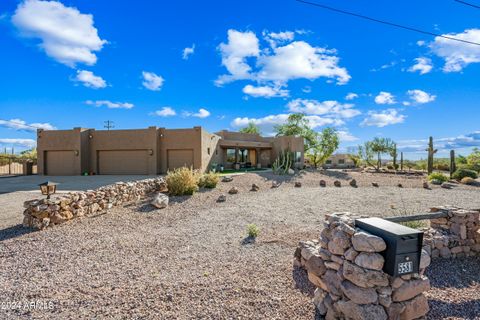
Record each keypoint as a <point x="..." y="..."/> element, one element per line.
<point x="189" y="260"/>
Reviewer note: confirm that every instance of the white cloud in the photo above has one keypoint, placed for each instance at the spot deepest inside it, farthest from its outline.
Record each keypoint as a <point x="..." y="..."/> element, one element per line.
<point x="299" y="60"/>
<point x="188" y="51"/>
<point x="151" y="81"/>
<point x="307" y="89"/>
<point x="265" y="91"/>
<point x="420" y="96"/>
<point x="28" y="143"/>
<point x="268" y="123"/>
<point x="240" y="46"/>
<point x="275" y="38"/>
<point x="469" y="140"/>
<point x="294" y="60"/>
<point x="385" y="98"/>
<point x="457" y="55"/>
<point x="202" y="113"/>
<point x="330" y="108"/>
<point x="110" y="105"/>
<point x="66" y="35"/>
<point x="351" y="96"/>
<point x="165" y="112"/>
<point x="346" y="136"/>
<point x="88" y="79"/>
<point x="420" y="43"/>
<point x="18" y="124"/>
<point x="422" y="64"/>
<point x="383" y="118"/>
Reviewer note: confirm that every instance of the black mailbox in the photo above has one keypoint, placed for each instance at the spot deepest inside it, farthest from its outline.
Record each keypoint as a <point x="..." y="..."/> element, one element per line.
<point x="404" y="245"/>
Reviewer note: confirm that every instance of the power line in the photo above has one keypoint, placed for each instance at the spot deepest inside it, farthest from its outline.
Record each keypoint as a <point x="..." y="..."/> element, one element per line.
<point x="386" y="22"/>
<point x="467" y="4"/>
<point x="18" y="123"/>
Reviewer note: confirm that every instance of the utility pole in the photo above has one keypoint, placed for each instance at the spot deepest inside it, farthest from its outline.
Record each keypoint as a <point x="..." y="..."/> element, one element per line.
<point x="108" y="124"/>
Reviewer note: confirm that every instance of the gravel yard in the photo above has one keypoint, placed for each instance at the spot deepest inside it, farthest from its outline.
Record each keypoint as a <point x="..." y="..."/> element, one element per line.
<point x="189" y="261"/>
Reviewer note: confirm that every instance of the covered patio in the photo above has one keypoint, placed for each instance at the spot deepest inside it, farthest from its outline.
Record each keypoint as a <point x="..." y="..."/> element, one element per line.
<point x="245" y="154"/>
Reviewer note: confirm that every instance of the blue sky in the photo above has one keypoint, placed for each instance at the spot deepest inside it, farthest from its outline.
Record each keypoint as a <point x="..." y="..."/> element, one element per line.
<point x="221" y="64"/>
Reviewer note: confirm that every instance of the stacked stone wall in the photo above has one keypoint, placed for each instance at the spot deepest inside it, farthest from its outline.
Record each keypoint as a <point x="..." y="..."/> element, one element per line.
<point x="41" y="213"/>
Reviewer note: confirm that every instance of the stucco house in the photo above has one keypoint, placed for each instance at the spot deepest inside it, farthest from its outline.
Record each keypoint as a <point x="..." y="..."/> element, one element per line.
<point x="340" y="161"/>
<point x="155" y="150"/>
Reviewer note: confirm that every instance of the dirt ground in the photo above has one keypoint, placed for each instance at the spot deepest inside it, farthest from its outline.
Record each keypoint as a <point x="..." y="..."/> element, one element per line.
<point x="191" y="259"/>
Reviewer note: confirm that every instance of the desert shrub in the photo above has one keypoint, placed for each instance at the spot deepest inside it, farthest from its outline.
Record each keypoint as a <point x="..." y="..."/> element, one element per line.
<point x="420" y="224"/>
<point x="437" y="176"/>
<point x="182" y="181"/>
<point x="468" y="180"/>
<point x="252" y="230"/>
<point x="462" y="173"/>
<point x="471" y="166"/>
<point x="208" y="180"/>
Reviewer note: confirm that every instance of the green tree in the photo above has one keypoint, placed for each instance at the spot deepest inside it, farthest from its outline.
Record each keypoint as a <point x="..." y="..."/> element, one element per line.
<point x="29" y="154"/>
<point x="381" y="146"/>
<point x="298" y="125"/>
<point x="326" y="143"/>
<point x="366" y="153"/>
<point x="355" y="156"/>
<point x="251" y="128"/>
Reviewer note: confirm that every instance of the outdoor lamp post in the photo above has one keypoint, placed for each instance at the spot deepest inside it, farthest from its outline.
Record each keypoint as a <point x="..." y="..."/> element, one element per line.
<point x="48" y="188"/>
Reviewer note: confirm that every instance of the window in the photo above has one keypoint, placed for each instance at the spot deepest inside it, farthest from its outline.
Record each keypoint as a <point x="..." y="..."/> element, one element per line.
<point x="230" y="155"/>
<point x="243" y="155"/>
<point x="341" y="161"/>
<point x="208" y="151"/>
<point x="328" y="162"/>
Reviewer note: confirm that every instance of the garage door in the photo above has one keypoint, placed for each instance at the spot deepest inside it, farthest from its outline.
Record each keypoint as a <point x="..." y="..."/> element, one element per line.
<point x="60" y="163"/>
<point x="123" y="162"/>
<point x="179" y="158"/>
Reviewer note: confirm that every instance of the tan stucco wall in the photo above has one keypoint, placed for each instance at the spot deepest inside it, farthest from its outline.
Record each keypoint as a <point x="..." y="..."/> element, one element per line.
<point x="230" y="135"/>
<point x="294" y="144"/>
<point x="139" y="139"/>
<point x="210" y="143"/>
<point x="60" y="140"/>
<point x="180" y="139"/>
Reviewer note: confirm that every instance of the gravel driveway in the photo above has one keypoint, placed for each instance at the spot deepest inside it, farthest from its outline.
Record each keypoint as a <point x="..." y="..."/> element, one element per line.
<point x="189" y="260"/>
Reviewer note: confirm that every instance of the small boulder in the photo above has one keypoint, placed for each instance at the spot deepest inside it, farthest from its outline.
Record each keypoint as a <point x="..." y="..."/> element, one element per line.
<point x="353" y="183"/>
<point x="358" y="295"/>
<point x="369" y="260"/>
<point x="160" y="201"/>
<point x="298" y="184"/>
<point x="446" y="185"/>
<point x="227" y="179"/>
<point x="255" y="187"/>
<point x="374" y="184"/>
<point x="337" y="183"/>
<point x="323" y="183"/>
<point x="366" y="242"/>
<point x="410" y="289"/>
<point x="233" y="190"/>
<point x="425" y="185"/>
<point x="275" y="184"/>
<point x="400" y="185"/>
<point x="291" y="172"/>
<point x="222" y="198"/>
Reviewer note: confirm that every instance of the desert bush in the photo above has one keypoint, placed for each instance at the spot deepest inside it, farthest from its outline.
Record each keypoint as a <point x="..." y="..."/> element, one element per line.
<point x="252" y="230"/>
<point x="473" y="166"/>
<point x="420" y="224"/>
<point x="208" y="180"/>
<point x="462" y="173"/>
<point x="437" y="176"/>
<point x="468" y="180"/>
<point x="182" y="181"/>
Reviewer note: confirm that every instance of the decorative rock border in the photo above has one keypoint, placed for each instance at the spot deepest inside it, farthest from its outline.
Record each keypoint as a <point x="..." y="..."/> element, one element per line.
<point x="346" y="267"/>
<point x="41" y="213"/>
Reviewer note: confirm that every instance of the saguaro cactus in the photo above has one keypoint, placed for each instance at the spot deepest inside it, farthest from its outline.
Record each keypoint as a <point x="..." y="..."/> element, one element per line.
<point x="453" y="165"/>
<point x="401" y="161"/>
<point x="431" y="151"/>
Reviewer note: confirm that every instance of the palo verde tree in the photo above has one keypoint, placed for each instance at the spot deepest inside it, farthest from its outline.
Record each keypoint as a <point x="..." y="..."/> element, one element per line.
<point x="298" y="125"/>
<point x="250" y="128"/>
<point x="326" y="143"/>
<point x="381" y="146"/>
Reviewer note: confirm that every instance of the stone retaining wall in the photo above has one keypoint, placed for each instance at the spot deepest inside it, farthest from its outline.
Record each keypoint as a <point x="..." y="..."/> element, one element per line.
<point x="456" y="235"/>
<point x="345" y="265"/>
<point x="41" y="213"/>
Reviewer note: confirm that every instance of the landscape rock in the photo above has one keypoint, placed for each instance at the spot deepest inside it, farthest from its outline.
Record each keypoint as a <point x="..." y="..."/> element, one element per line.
<point x="416" y="308"/>
<point x="233" y="190"/>
<point x="410" y="289"/>
<point x="291" y="172"/>
<point x="323" y="183"/>
<point x="425" y="185"/>
<point x="315" y="265"/>
<point x="370" y="260"/>
<point x="298" y="184"/>
<point x="363" y="241"/>
<point x="160" y="201"/>
<point x="255" y="187"/>
<point x="363" y="277"/>
<point x="357" y="294"/>
<point x="355" y="311"/>
<point x="222" y="198"/>
<point x="337" y="183"/>
<point x="447" y="185"/>
<point x="400" y="185"/>
<point x="227" y="179"/>
<point x="275" y="184"/>
<point x="353" y="183"/>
